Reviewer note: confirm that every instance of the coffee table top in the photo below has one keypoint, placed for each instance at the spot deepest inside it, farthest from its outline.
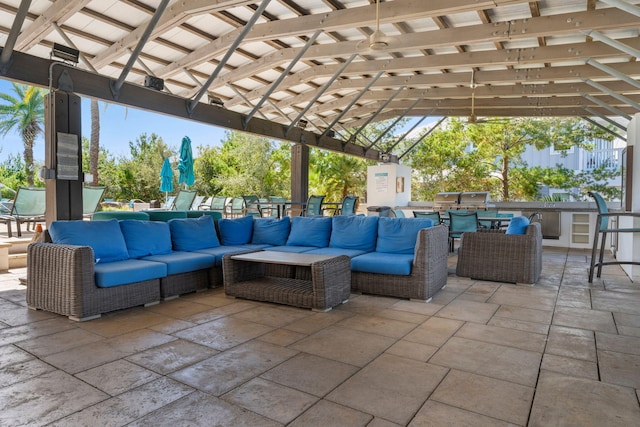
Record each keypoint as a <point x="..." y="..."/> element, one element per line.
<point x="287" y="258"/>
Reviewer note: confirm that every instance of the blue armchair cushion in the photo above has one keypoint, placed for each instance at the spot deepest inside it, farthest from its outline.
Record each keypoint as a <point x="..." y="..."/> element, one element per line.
<point x="383" y="263"/>
<point x="399" y="235"/>
<point x="268" y="231"/>
<point x="309" y="231"/>
<point x="354" y="232"/>
<point x="518" y="225"/>
<point x="146" y="237"/>
<point x="128" y="271"/>
<point x="104" y="237"/>
<point x="191" y="234"/>
<point x="183" y="262"/>
<point x="236" y="231"/>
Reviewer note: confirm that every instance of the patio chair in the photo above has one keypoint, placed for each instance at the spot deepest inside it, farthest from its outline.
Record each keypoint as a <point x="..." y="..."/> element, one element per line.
<point x="252" y="206"/>
<point x="219" y="204"/>
<point x="183" y="200"/>
<point x="602" y="228"/>
<point x="91" y="198"/>
<point x="28" y="207"/>
<point x="433" y="215"/>
<point x="197" y="202"/>
<point x="237" y="207"/>
<point x="398" y="213"/>
<point x="314" y="206"/>
<point x="496" y="256"/>
<point x="488" y="223"/>
<point x="460" y="223"/>
<point x="168" y="204"/>
<point x="349" y="205"/>
<point x="277" y="207"/>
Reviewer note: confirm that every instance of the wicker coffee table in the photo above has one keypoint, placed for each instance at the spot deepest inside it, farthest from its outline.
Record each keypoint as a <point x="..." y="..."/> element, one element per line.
<point x="319" y="282"/>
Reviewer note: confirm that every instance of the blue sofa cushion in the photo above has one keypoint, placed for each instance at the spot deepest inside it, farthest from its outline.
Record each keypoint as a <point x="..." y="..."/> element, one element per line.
<point x="183" y="262"/>
<point x="146" y="237"/>
<point x="354" y="232"/>
<point x="191" y="234"/>
<point x="307" y="231"/>
<point x="104" y="237"/>
<point x="223" y="250"/>
<point x="399" y="235"/>
<point x="271" y="231"/>
<point x="383" y="263"/>
<point x="518" y="225"/>
<point x="337" y="251"/>
<point x="293" y="249"/>
<point x="128" y="271"/>
<point x="235" y="231"/>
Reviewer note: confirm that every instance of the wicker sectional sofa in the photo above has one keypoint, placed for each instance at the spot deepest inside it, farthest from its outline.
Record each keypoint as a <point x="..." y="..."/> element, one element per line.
<point x="92" y="267"/>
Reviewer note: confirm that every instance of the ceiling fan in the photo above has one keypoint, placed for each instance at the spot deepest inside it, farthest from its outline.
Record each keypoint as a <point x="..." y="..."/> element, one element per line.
<point x="378" y="40"/>
<point x="473" y="119"/>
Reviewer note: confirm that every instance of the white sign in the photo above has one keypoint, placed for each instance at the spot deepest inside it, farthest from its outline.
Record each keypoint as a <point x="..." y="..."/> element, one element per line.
<point x="382" y="182"/>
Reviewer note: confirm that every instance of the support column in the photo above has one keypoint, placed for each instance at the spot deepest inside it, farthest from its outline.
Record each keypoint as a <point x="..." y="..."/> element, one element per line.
<point x="299" y="175"/>
<point x="62" y="152"/>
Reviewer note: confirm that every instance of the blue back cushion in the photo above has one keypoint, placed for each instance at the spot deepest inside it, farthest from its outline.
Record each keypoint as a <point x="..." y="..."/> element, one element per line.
<point x="518" y="225"/>
<point x="354" y="232"/>
<point x="146" y="237"/>
<point x="399" y="235"/>
<point x="268" y="231"/>
<point x="104" y="237"/>
<point x="191" y="234"/>
<point x="236" y="231"/>
<point x="308" y="231"/>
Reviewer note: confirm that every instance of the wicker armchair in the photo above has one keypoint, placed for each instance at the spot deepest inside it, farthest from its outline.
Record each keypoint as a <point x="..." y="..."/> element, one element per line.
<point x="495" y="256"/>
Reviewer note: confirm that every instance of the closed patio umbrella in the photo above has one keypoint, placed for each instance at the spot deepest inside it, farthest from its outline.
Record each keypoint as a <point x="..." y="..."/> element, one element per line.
<point x="166" y="178"/>
<point x="185" y="166"/>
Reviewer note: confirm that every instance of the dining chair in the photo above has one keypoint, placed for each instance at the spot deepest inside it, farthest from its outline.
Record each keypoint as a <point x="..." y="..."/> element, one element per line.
<point x="461" y="223"/>
<point x="602" y="228"/>
<point x="432" y="215"/>
<point x="183" y="200"/>
<point x="348" y="207"/>
<point x="252" y="206"/>
<point x="314" y="206"/>
<point x="28" y="206"/>
<point x="277" y="206"/>
<point x="487" y="223"/>
<point x="91" y="198"/>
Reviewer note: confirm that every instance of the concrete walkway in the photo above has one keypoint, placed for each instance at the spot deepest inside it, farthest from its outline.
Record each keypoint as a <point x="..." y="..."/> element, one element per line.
<point x="563" y="352"/>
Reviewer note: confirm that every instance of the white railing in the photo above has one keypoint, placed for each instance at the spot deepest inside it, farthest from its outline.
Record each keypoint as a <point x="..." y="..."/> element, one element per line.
<point x="609" y="158"/>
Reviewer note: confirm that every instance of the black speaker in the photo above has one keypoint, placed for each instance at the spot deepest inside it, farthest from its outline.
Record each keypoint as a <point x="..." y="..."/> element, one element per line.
<point x="154" y="82"/>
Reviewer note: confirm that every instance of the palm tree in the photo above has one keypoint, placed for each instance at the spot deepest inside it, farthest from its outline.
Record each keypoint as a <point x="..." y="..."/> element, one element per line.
<point x="24" y="114"/>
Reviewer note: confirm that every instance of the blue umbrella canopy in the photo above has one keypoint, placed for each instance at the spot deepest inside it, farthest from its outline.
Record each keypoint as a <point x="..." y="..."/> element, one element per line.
<point x="166" y="177"/>
<point x="185" y="166"/>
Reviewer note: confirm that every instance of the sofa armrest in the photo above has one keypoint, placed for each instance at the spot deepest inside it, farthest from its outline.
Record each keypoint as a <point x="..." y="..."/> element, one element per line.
<point x="59" y="277"/>
<point x="431" y="254"/>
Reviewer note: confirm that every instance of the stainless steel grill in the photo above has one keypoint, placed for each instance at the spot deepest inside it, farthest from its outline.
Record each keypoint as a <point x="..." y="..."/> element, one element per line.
<point x="474" y="200"/>
<point x="445" y="201"/>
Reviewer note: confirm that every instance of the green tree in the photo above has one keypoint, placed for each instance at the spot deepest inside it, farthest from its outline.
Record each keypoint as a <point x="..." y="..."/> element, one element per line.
<point x="24" y="114"/>
<point x="336" y="175"/>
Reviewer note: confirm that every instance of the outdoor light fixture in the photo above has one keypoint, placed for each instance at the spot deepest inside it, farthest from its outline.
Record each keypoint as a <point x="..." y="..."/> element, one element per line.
<point x="302" y="123"/>
<point x="154" y="82"/>
<point x="214" y="100"/>
<point x="331" y="133"/>
<point x="65" y="53"/>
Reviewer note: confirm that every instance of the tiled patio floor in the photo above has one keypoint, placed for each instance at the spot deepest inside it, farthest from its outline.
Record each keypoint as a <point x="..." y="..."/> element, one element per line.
<point x="562" y="352"/>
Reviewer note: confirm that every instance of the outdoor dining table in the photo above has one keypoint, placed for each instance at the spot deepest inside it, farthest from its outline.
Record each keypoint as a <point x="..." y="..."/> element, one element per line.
<point x="496" y="221"/>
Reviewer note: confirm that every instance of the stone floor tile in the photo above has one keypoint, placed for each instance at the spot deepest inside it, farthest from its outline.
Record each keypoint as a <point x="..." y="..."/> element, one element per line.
<point x="619" y="302"/>
<point x="211" y="297"/>
<point x="403" y="316"/>
<point x="570" y="367"/>
<point x="618" y="343"/>
<point x="179" y="308"/>
<point x="520" y="296"/>
<point x="345" y="345"/>
<point x="15" y="315"/>
<point x="273" y="316"/>
<point x="490" y="397"/>
<point x="141" y="340"/>
<point x="526" y="314"/>
<point x="367" y="304"/>
<point x="379" y="422"/>
<point x="520" y="325"/>
<point x="233" y="367"/>
<point x="493" y="360"/>
<point x="562" y="400"/>
<point x="271" y="400"/>
<point x="417" y="307"/>
<point x="61" y="341"/>
<point x="436" y="414"/>
<point x="470" y="311"/>
<point x="10" y="355"/>
<point x="434" y="332"/>
<point x="33" y="330"/>
<point x="619" y="368"/>
<point x="312" y="374"/>
<point x="574" y="297"/>
<point x="445" y="296"/>
<point x="43" y="399"/>
<point x="325" y="413"/>
<point x="281" y="337"/>
<point x="318" y="321"/>
<point x="202" y="410"/>
<point x="503" y="336"/>
<point x="171" y="326"/>
<point x="377" y="325"/>
<point x="224" y="333"/>
<point x="117" y="377"/>
<point x="129" y="406"/>
<point x="172" y="356"/>
<point x="219" y="312"/>
<point x="412" y="350"/>
<point x="118" y="323"/>
<point x="627" y="319"/>
<point x="20" y="371"/>
<point x="485" y="289"/>
<point x="581" y="318"/>
<point x="409" y="382"/>
<point x="573" y="343"/>
<point x="629" y="331"/>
